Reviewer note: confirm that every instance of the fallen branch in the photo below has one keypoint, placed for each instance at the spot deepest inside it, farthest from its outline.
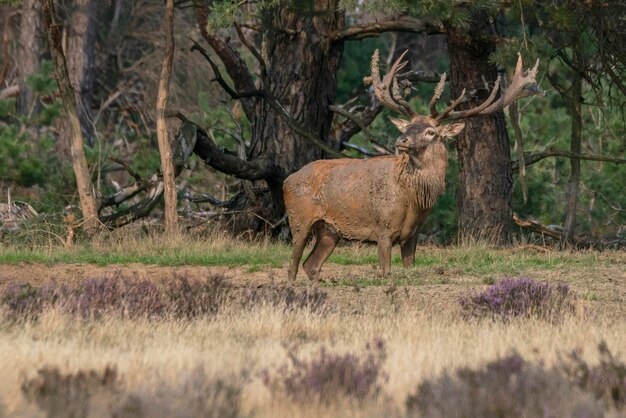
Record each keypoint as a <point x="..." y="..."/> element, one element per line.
<point x="152" y="187"/>
<point x="578" y="242"/>
<point x="11" y="91"/>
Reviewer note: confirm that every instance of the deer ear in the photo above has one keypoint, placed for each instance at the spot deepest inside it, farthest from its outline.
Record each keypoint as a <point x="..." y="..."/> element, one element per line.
<point x="453" y="129"/>
<point x="401" y="124"/>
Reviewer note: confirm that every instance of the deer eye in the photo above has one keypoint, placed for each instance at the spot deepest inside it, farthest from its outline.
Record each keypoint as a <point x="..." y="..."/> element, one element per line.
<point x="429" y="133"/>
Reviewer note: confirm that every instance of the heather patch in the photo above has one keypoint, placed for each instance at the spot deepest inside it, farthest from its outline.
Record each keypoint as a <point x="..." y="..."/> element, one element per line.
<point x="518" y="298"/>
<point x="507" y="387"/>
<point x="289" y="298"/>
<point x="120" y="295"/>
<point x="605" y="380"/>
<point x="102" y="393"/>
<point x="328" y="377"/>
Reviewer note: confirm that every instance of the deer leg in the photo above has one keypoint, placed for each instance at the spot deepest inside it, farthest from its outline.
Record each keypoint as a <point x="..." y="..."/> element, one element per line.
<point x="384" y="255"/>
<point x="408" y="251"/>
<point x="325" y="243"/>
<point x="299" y="241"/>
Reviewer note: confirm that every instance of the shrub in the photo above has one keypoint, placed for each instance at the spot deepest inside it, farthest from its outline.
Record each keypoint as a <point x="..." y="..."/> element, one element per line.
<point x="21" y="300"/>
<point x="118" y="295"/>
<point x="69" y="395"/>
<point x="102" y="393"/>
<point x="191" y="298"/>
<point x="507" y="387"/>
<point x="328" y="377"/>
<point x="288" y="297"/>
<point x="518" y="297"/>
<point x="98" y="296"/>
<point x="606" y="380"/>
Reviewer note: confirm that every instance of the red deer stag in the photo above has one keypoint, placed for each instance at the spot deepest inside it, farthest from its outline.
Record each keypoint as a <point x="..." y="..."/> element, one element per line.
<point x="384" y="199"/>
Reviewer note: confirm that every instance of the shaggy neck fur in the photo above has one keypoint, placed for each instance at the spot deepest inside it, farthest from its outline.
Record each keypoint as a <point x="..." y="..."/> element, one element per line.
<point x="425" y="176"/>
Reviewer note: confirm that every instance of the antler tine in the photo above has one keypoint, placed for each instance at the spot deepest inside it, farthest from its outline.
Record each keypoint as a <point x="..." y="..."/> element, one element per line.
<point x="441" y="85"/>
<point x="443" y="115"/>
<point x="476" y="110"/>
<point x="386" y="90"/>
<point x="521" y="86"/>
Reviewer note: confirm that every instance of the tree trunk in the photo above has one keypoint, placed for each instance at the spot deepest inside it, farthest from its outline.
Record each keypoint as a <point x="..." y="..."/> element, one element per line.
<point x="167" y="165"/>
<point x="573" y="100"/>
<point x="302" y="65"/>
<point x="485" y="179"/>
<point x="79" y="162"/>
<point x="29" y="54"/>
<point x="81" y="60"/>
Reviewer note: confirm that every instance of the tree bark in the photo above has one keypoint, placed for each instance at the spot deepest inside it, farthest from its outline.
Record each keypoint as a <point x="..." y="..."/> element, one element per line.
<point x="79" y="162"/>
<point x="167" y="164"/>
<point x="301" y="61"/>
<point x="81" y="60"/>
<point x="485" y="179"/>
<point x="302" y="70"/>
<point x="28" y="57"/>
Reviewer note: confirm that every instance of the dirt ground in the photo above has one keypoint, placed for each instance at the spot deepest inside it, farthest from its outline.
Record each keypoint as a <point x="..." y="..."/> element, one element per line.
<point x="358" y="289"/>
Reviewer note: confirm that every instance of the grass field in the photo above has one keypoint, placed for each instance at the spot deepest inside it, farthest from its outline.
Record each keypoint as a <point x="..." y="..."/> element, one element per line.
<point x="260" y="356"/>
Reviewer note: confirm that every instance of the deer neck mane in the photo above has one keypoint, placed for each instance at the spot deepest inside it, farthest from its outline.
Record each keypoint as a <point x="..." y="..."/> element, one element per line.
<point x="425" y="178"/>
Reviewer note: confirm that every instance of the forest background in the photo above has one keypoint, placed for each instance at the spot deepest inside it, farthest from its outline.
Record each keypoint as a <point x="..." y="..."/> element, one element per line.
<point x="571" y="142"/>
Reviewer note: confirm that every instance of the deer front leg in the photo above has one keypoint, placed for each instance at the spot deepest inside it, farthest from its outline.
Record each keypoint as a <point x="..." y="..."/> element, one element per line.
<point x="384" y="255"/>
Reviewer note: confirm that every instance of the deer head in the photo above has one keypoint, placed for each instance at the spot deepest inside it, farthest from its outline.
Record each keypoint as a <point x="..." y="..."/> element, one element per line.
<point x="420" y="131"/>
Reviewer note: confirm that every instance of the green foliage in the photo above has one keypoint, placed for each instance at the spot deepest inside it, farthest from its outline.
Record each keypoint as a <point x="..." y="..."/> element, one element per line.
<point x="42" y="82"/>
<point x="225" y="12"/>
<point x="546" y="123"/>
<point x="27" y="148"/>
<point x="354" y="65"/>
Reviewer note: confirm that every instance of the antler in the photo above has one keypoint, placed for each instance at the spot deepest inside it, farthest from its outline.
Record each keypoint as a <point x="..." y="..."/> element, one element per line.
<point x="521" y="86"/>
<point x="387" y="90"/>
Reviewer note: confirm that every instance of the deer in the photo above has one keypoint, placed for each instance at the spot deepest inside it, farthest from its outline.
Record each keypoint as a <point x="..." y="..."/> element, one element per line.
<point x="385" y="199"/>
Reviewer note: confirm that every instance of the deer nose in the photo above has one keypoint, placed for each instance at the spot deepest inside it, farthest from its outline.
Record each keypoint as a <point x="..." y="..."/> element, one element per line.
<point x="402" y="141"/>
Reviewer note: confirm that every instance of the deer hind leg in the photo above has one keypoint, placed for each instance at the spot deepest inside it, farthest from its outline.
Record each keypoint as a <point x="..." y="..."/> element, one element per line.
<point x="325" y="243"/>
<point x="299" y="242"/>
<point x="408" y="251"/>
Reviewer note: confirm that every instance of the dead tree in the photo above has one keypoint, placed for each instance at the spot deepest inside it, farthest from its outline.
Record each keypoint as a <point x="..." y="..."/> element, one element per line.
<point x="167" y="166"/>
<point x="79" y="161"/>
<point x="385" y="199"/>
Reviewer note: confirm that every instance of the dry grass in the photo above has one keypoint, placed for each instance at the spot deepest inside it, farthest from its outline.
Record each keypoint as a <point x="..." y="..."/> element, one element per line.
<point x="176" y="364"/>
<point x="157" y="356"/>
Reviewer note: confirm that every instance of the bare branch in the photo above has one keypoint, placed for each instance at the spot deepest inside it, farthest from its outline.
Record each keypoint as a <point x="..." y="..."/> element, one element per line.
<point x="258" y="169"/>
<point x="404" y="24"/>
<point x="519" y="148"/>
<point x="252" y="49"/>
<point x="551" y="152"/>
<point x="361" y="125"/>
<point x="11" y="91"/>
<point x="361" y="150"/>
<point x="272" y="101"/>
<point x="234" y="64"/>
<point x="123" y="163"/>
<point x="216" y="71"/>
